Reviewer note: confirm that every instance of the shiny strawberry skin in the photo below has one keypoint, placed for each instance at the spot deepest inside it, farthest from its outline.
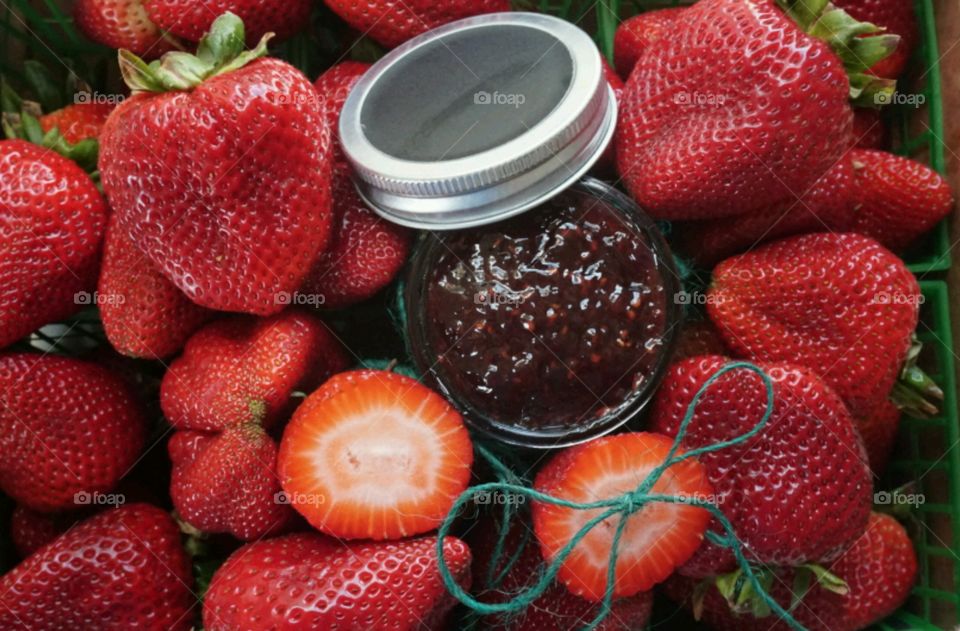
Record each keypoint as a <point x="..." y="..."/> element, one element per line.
<point x="53" y="410"/>
<point x="828" y="204"/>
<point x="880" y="568"/>
<point x="692" y="108"/>
<point x="841" y="305"/>
<point x="781" y="517"/>
<point x="899" y="198"/>
<point x="897" y="17"/>
<point x="52" y="220"/>
<point x="119" y="570"/>
<point x="640" y="32"/>
<point x="226" y="188"/>
<point x="333" y="87"/>
<point x="121" y="24"/>
<point x="392" y="23"/>
<point x="307" y="581"/>
<point x="557" y="609"/>
<point x="78" y="121"/>
<point x="366" y="253"/>
<point x="242" y="369"/>
<point x="191" y="20"/>
<point x="228" y="482"/>
<point x="143" y="313"/>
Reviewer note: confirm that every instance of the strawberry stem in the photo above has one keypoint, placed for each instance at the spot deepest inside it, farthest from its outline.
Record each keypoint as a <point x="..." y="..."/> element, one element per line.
<point x="915" y="393"/>
<point x="859" y="45"/>
<point x="220" y="51"/>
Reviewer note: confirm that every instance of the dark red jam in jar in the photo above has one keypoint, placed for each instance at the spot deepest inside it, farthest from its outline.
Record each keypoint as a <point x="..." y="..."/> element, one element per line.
<point x="551" y="327"/>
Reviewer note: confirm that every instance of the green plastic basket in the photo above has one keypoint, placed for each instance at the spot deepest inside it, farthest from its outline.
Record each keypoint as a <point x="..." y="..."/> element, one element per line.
<point x="927" y="454"/>
<point x="918" y="133"/>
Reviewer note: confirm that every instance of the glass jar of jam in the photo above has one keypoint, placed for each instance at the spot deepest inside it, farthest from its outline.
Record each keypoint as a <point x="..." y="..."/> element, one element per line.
<point x="540" y="302"/>
<point x="548" y="328"/>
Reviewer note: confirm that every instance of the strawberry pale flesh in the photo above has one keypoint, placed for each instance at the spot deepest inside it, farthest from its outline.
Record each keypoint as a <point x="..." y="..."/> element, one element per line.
<point x="657" y="538"/>
<point x="383" y="456"/>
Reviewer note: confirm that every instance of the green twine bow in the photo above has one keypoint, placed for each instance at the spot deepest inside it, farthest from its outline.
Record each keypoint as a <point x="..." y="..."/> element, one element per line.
<point x="624" y="506"/>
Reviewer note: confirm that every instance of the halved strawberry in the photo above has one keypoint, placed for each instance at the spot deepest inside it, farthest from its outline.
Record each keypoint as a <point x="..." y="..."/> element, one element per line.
<point x="658" y="538"/>
<point x="376" y="455"/>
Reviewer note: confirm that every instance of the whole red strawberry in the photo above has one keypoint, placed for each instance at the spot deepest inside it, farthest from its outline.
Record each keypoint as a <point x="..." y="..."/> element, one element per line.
<point x="828" y="204"/>
<point x="557" y="609"/>
<point x="191" y="20"/>
<point x="797" y="492"/>
<point x="143" y="313"/>
<point x="896" y="16"/>
<point x="119" y="570"/>
<point x="228" y="482"/>
<point x="79" y="121"/>
<point x="223" y="180"/>
<point x="242" y="369"/>
<point x="392" y="23"/>
<point x="879" y="570"/>
<point x="333" y="87"/>
<point x="52" y="220"/>
<point x="841" y="305"/>
<point x="312" y="582"/>
<point x="122" y="24"/>
<point x="67" y="428"/>
<point x="366" y="253"/>
<point x="714" y="125"/>
<point x="899" y="198"/>
<point x="640" y="32"/>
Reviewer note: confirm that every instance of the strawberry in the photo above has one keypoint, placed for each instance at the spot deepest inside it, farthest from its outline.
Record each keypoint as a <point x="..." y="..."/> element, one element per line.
<point x="636" y="34"/>
<point x="734" y="127"/>
<point x="53" y="411"/>
<point x="365" y="255"/>
<point x="869" y="130"/>
<point x="234" y="212"/>
<point x="376" y="455"/>
<point x="879" y="431"/>
<point x="698" y="337"/>
<point x="307" y="581"/>
<point x="243" y="369"/>
<point x="52" y="220"/>
<point x="879" y="570"/>
<point x="827" y="205"/>
<point x="191" y="20"/>
<point x="228" y="482"/>
<point x="122" y="24"/>
<point x="143" y="313"/>
<point x="896" y="16"/>
<point x="900" y="199"/>
<point x="122" y="569"/>
<point x="30" y="530"/>
<point x="334" y="87"/>
<point x="839" y="304"/>
<point x="392" y="23"/>
<point x="557" y="609"/>
<point x="657" y="539"/>
<point x="79" y="121"/>
<point x="606" y="164"/>
<point x="781" y="516"/>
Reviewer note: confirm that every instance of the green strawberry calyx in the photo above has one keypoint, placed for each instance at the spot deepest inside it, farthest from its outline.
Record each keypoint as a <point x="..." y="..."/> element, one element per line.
<point x="220" y="51"/>
<point x="25" y="125"/>
<point x="859" y="45"/>
<point x="742" y="598"/>
<point x="915" y="392"/>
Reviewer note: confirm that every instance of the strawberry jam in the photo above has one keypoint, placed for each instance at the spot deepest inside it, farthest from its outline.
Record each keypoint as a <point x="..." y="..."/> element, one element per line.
<point x="549" y="327"/>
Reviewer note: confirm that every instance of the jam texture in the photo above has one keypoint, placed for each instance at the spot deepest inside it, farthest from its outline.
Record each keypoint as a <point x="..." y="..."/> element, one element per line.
<point x="550" y="320"/>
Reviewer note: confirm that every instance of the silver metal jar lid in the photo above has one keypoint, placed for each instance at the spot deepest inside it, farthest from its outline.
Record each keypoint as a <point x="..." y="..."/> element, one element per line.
<point x="477" y="120"/>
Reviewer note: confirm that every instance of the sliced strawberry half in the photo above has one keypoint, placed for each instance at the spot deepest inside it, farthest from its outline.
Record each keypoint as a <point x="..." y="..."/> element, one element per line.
<point x="658" y="538"/>
<point x="374" y="455"/>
